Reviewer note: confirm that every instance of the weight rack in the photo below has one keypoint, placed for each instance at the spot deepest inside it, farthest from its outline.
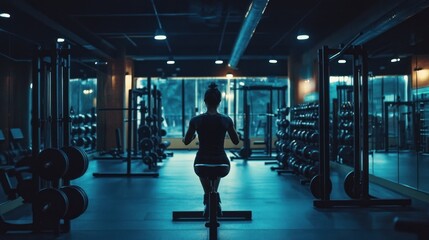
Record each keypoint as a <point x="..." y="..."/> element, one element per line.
<point x="52" y="203"/>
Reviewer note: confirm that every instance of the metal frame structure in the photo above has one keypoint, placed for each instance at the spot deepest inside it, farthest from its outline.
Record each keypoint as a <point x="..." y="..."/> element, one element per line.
<point x="131" y="129"/>
<point x="50" y="113"/>
<point x="361" y="145"/>
<point x="388" y="104"/>
<point x="246" y="152"/>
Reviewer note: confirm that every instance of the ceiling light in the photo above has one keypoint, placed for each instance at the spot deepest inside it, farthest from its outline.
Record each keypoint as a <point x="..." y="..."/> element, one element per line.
<point x="160" y="34"/>
<point x="171" y="61"/>
<point x="302" y="37"/>
<point x="229" y="75"/>
<point x="4" y="15"/>
<point x="342" y="61"/>
<point x="393" y="60"/>
<point x="272" y="61"/>
<point x="100" y="63"/>
<point x="60" y="40"/>
<point x="218" y="61"/>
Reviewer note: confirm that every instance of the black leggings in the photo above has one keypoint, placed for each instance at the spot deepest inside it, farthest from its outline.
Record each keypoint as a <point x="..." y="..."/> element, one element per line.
<point x="210" y="159"/>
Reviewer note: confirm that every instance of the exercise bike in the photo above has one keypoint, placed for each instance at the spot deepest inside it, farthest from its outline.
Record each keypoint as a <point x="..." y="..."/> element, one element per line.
<point x="212" y="172"/>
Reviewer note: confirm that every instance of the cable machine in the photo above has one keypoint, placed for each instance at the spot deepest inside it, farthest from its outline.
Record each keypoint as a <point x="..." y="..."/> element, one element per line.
<point x="356" y="183"/>
<point x="246" y="151"/>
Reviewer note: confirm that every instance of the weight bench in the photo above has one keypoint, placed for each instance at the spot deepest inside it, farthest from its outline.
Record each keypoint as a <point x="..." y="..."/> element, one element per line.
<point x="212" y="172"/>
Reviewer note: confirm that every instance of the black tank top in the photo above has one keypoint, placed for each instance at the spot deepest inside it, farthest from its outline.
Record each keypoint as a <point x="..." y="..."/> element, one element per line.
<point x="211" y="129"/>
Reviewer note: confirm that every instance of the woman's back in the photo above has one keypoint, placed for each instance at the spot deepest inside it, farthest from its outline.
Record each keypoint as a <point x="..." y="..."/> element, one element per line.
<point x="211" y="129"/>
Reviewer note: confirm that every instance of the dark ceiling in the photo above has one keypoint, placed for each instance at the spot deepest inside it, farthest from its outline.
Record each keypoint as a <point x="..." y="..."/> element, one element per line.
<point x="199" y="31"/>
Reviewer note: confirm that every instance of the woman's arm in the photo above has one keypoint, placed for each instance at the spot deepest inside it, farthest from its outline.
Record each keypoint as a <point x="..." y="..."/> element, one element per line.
<point x="233" y="134"/>
<point x="190" y="135"/>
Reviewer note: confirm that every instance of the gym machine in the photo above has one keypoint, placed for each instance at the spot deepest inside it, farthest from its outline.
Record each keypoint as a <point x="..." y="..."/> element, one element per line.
<point x="246" y="151"/>
<point x="131" y="134"/>
<point x="356" y="184"/>
<point x="54" y="163"/>
<point x="144" y="139"/>
<point x="16" y="151"/>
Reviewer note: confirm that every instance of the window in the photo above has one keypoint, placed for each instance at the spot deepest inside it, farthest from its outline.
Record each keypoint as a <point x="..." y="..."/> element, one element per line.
<point x="175" y="122"/>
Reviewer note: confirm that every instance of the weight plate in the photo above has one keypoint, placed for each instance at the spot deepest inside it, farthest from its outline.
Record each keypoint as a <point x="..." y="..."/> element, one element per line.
<point x="144" y="131"/>
<point x="350" y="188"/>
<point x="52" y="164"/>
<point x="50" y="204"/>
<point x="316" y="188"/>
<point x="78" y="201"/>
<point x="146" y="144"/>
<point x="78" y="162"/>
<point x="147" y="160"/>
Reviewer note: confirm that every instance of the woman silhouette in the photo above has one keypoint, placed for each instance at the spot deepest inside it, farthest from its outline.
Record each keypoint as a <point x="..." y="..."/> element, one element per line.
<point x="211" y="128"/>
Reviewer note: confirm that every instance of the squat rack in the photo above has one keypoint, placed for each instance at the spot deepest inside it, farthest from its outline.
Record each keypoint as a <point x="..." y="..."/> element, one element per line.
<point x="245" y="152"/>
<point x="359" y="178"/>
<point x="131" y="130"/>
<point x="50" y="104"/>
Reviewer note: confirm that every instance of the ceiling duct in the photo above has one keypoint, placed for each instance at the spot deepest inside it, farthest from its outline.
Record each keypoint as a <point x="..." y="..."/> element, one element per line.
<point x="251" y="20"/>
<point x="399" y="14"/>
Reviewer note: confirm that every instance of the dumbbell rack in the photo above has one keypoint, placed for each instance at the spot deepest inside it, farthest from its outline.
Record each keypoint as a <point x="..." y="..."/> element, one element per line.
<point x="345" y="137"/>
<point x="156" y="124"/>
<point x="84" y="131"/>
<point x="303" y="148"/>
<point x="283" y="139"/>
<point x="356" y="181"/>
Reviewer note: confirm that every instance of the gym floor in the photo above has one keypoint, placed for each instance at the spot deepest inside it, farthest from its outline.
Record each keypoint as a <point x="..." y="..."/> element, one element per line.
<point x="141" y="207"/>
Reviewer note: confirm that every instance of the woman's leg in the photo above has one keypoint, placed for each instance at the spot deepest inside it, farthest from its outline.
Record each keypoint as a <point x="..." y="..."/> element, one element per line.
<point x="216" y="185"/>
<point x="205" y="183"/>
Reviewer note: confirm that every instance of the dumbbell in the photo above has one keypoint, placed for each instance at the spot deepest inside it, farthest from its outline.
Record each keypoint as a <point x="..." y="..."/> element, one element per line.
<point x="81" y="142"/>
<point x="80" y="119"/>
<point x="164" y="145"/>
<point x="284" y="123"/>
<point x="88" y="141"/>
<point x="348" y="139"/>
<point x="93" y="128"/>
<point x="74" y="131"/>
<point x="87" y="129"/>
<point x="80" y="130"/>
<point x="87" y="118"/>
